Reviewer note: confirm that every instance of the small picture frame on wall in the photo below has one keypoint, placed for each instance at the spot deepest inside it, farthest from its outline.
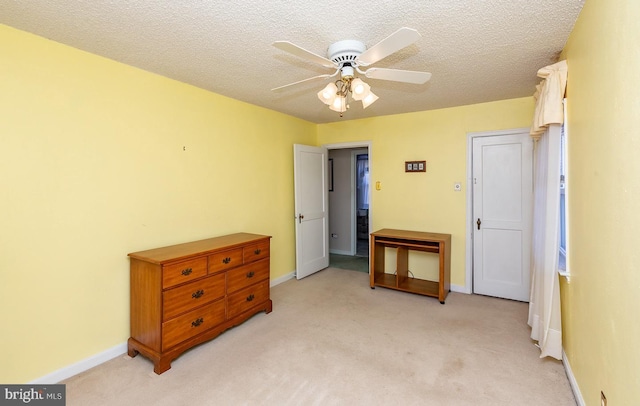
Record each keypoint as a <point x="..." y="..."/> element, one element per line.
<point x="415" y="166"/>
<point x="330" y="174"/>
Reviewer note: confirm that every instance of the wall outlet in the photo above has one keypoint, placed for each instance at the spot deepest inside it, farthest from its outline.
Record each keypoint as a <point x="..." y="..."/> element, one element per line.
<point x="603" y="399"/>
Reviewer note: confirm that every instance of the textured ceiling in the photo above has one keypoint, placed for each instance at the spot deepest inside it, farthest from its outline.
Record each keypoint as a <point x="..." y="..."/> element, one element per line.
<point x="477" y="50"/>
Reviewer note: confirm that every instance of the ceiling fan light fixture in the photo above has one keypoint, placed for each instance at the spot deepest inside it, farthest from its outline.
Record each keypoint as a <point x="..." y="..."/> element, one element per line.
<point x="359" y="89"/>
<point x="328" y="94"/>
<point x="369" y="100"/>
<point x="348" y="57"/>
<point x="339" y="104"/>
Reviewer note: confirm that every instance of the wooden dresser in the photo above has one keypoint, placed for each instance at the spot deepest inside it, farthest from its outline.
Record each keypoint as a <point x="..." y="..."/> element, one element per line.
<point x="185" y="294"/>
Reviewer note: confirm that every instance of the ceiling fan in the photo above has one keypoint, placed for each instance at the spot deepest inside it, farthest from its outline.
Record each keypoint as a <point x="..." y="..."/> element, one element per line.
<point x="350" y="56"/>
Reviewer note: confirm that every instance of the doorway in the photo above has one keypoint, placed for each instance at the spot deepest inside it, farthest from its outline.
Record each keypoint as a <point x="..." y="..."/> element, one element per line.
<point x="349" y="206"/>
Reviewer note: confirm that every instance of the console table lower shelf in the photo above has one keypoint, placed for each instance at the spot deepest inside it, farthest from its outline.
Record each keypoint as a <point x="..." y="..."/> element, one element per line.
<point x="404" y="241"/>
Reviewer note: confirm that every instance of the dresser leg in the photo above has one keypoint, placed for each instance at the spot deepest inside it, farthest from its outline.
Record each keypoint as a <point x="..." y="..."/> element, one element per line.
<point x="131" y="351"/>
<point x="162" y="365"/>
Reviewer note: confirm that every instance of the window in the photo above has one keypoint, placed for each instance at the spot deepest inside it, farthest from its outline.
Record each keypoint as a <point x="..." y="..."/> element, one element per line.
<point x="563" y="266"/>
<point x="362" y="181"/>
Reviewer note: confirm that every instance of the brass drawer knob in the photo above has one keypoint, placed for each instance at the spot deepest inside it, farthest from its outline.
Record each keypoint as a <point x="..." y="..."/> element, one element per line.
<point x="226" y="260"/>
<point x="187" y="272"/>
<point x="250" y="274"/>
<point x="197" y="322"/>
<point x="257" y="252"/>
<point x="250" y="297"/>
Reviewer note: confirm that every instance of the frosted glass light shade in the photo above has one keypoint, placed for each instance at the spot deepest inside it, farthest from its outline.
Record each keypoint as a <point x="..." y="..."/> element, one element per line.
<point x="359" y="89"/>
<point x="368" y="101"/>
<point x="339" y="105"/>
<point x="328" y="94"/>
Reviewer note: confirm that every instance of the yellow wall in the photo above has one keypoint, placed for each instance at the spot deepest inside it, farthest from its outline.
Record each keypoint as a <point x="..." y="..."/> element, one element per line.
<point x="99" y="159"/>
<point x="92" y="167"/>
<point x="426" y="201"/>
<point x="601" y="302"/>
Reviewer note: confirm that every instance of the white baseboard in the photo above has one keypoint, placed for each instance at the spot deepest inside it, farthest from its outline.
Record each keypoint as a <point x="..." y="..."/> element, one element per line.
<point x="283" y="278"/>
<point x="81" y="366"/>
<point x="572" y="380"/>
<point x="107" y="355"/>
<point x="460" y="289"/>
<point x="291" y="275"/>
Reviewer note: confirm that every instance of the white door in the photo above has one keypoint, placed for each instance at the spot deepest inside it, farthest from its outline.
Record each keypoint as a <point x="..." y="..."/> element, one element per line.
<point x="311" y="209"/>
<point x="502" y="215"/>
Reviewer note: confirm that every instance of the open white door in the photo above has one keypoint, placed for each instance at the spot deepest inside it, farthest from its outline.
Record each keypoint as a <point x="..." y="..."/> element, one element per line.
<point x="311" y="209"/>
<point x="502" y="215"/>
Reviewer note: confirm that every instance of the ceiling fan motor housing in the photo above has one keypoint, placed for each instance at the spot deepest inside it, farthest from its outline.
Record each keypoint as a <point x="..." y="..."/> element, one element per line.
<point x="345" y="52"/>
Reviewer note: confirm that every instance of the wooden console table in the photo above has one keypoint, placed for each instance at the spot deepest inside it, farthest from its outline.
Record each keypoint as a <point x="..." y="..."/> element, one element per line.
<point x="404" y="241"/>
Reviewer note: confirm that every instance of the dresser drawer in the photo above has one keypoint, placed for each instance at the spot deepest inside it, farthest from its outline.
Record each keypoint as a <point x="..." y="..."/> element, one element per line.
<point x="256" y="252"/>
<point x="186" y="297"/>
<point x="180" y="272"/>
<point x="247" y="275"/>
<point x="191" y="324"/>
<point x="225" y="260"/>
<point x="247" y="298"/>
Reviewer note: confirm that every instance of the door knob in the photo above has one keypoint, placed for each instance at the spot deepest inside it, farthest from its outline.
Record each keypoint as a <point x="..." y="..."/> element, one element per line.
<point x="478" y="223"/>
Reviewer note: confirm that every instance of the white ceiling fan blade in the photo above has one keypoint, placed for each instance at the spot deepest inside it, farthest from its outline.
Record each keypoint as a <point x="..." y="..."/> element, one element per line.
<point x="393" y="43"/>
<point x="398" y="75"/>
<point x="304" y="54"/>
<point x="275" y="89"/>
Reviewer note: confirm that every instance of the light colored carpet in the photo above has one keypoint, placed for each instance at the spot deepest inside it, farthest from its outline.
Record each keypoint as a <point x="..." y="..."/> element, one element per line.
<point x="331" y="340"/>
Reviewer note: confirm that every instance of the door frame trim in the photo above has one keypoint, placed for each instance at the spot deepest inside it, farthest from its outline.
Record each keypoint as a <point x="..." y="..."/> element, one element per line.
<point x="468" y="285"/>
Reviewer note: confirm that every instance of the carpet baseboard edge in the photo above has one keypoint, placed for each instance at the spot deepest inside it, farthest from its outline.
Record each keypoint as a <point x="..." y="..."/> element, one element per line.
<point x="460" y="289"/>
<point x="572" y="380"/>
<point x="121" y="349"/>
<point x="282" y="279"/>
<point x="81" y="366"/>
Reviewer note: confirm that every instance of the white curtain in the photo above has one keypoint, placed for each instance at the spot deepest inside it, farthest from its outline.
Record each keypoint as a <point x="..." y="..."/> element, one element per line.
<point x="549" y="95"/>
<point x="544" y="302"/>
